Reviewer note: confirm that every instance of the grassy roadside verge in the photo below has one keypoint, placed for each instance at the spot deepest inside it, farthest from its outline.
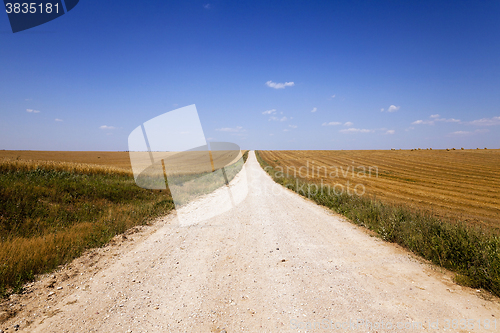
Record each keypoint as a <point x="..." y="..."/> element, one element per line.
<point x="473" y="253"/>
<point x="51" y="213"/>
<point x="245" y="155"/>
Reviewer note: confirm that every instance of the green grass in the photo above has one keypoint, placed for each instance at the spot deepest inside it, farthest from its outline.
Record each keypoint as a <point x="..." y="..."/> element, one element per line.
<point x="50" y="216"/>
<point x="473" y="253"/>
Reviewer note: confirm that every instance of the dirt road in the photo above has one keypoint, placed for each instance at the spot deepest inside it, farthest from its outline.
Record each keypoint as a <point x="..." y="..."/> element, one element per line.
<point x="274" y="263"/>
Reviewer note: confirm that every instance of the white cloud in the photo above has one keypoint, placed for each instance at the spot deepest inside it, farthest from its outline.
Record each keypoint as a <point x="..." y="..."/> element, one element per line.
<point x="331" y="123"/>
<point x="286" y="130"/>
<point x="356" y="130"/>
<point x="390" y="132"/>
<point x="314" y="110"/>
<point x="478" y="131"/>
<point x="450" y="120"/>
<point x="393" y="108"/>
<point x="382" y="110"/>
<point x="230" y="129"/>
<point x="207" y="6"/>
<point x="273" y="118"/>
<point x="434" y="118"/>
<point x="423" y="122"/>
<point x="272" y="111"/>
<point x="32" y="111"/>
<point x="57" y="119"/>
<point x="348" y="123"/>
<point x="484" y="130"/>
<point x="333" y="96"/>
<point x="105" y="127"/>
<point x="461" y="133"/>
<point x="276" y="85"/>
<point x="292" y="126"/>
<point x="486" y="121"/>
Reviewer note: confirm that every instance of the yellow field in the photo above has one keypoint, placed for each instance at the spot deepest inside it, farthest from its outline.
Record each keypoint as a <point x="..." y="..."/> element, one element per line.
<point x="118" y="161"/>
<point x="110" y="159"/>
<point x="455" y="184"/>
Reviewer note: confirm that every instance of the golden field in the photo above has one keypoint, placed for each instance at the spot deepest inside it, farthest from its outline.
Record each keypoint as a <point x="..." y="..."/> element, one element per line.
<point x="457" y="184"/>
<point x="116" y="162"/>
<point x="119" y="160"/>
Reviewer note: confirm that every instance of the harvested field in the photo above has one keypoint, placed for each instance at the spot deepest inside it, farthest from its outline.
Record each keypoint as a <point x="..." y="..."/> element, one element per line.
<point x="119" y="159"/>
<point x="115" y="160"/>
<point x="453" y="185"/>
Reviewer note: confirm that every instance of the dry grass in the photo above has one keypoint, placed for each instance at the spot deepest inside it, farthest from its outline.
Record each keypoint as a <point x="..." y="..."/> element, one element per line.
<point x="51" y="212"/>
<point x="453" y="185"/>
<point x="118" y="159"/>
<point x="7" y="164"/>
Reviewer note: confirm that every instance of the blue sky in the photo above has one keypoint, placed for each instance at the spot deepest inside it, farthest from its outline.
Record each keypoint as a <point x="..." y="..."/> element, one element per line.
<point x="85" y="80"/>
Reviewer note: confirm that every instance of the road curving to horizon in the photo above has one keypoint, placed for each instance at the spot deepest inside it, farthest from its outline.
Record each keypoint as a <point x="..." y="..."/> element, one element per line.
<point x="275" y="262"/>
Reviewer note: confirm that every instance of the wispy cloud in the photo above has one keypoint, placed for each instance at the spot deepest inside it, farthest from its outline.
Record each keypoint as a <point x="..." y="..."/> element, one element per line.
<point x="423" y="122"/>
<point x="231" y="129"/>
<point x="393" y="108"/>
<point x="207" y="6"/>
<point x="292" y="126"/>
<point x="494" y="121"/>
<point x="314" y="110"/>
<point x="331" y="123"/>
<point x="461" y="133"/>
<point x="333" y="96"/>
<point x="57" y="119"/>
<point x="32" y="111"/>
<point x="276" y="85"/>
<point x="348" y="123"/>
<point x="465" y="133"/>
<point x="355" y="130"/>
<point x="105" y="127"/>
<point x="272" y="111"/>
<point x="273" y="118"/>
<point x="390" y="132"/>
<point x="435" y="118"/>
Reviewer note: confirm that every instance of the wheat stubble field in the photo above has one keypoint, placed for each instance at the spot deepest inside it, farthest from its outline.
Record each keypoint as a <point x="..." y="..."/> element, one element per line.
<point x="119" y="159"/>
<point x="457" y="184"/>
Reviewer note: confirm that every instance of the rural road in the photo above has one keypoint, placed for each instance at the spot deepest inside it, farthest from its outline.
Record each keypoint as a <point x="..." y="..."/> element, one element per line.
<point x="274" y="263"/>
